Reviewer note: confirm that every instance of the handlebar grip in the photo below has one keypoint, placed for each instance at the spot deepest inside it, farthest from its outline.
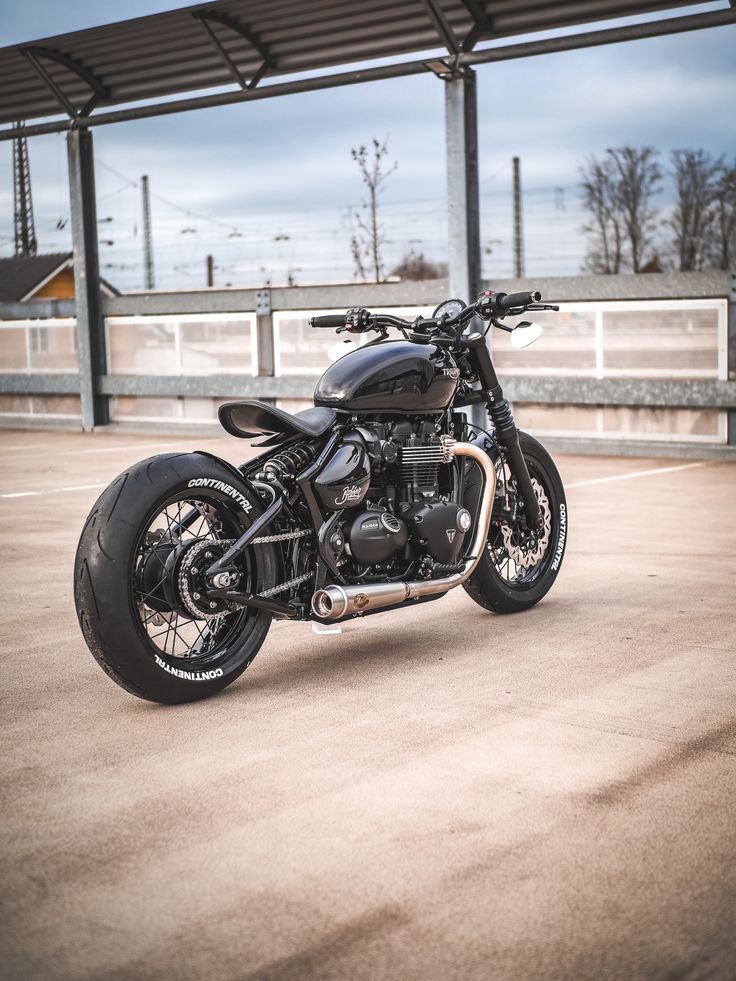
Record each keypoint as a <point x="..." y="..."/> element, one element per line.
<point x="328" y="320"/>
<point x="506" y="301"/>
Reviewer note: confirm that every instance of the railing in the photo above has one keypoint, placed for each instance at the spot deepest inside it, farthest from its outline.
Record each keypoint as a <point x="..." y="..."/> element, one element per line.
<point x="627" y="360"/>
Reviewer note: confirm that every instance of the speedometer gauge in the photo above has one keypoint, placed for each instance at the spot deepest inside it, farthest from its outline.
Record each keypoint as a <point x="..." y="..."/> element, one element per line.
<point x="449" y="308"/>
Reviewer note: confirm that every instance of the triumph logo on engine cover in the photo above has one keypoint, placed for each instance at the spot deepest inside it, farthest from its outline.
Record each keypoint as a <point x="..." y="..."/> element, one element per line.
<point x="451" y="535"/>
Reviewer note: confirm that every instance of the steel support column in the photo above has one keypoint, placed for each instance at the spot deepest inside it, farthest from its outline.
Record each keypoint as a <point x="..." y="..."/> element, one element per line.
<point x="90" y="323"/>
<point x="731" y="353"/>
<point x="463" y="209"/>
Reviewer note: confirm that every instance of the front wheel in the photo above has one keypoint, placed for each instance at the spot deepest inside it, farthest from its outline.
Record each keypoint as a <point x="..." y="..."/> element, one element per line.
<point x="139" y="581"/>
<point x="519" y="566"/>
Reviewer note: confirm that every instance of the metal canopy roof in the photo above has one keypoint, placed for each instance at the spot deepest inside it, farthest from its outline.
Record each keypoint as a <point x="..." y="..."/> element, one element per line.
<point x="241" y="42"/>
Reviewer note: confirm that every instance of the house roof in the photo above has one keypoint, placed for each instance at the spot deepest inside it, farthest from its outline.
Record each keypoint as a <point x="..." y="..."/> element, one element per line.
<point x="22" y="274"/>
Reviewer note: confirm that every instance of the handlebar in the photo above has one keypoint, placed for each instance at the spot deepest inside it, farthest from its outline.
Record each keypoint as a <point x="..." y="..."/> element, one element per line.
<point x="489" y="306"/>
<point x="507" y="301"/>
<point x="328" y="320"/>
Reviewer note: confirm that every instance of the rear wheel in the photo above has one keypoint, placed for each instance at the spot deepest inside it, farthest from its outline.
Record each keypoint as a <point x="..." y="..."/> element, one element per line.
<point x="520" y="564"/>
<point x="139" y="578"/>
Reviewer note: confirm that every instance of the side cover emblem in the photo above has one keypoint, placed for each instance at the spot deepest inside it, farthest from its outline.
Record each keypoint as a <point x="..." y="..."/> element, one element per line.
<point x="451" y="535"/>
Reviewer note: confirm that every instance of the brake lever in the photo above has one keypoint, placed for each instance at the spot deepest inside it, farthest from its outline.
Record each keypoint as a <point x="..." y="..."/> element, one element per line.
<point x="542" y="306"/>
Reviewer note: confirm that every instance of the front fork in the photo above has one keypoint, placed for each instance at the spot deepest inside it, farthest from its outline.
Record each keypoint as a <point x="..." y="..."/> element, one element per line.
<point x="503" y="423"/>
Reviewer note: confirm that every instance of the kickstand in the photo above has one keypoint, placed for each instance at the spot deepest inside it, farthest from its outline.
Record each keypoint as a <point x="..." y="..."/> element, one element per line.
<point x="326" y="628"/>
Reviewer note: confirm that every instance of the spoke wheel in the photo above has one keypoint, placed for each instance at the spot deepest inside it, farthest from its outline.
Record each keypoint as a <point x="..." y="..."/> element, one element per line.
<point x="140" y="578"/>
<point x="520" y="564"/>
<point x="177" y="620"/>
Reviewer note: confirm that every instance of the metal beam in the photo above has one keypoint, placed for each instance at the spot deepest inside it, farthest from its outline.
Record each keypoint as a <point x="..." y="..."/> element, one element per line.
<point x="21" y="383"/>
<point x="672" y="393"/>
<point x="442" y="26"/>
<point x="90" y="323"/>
<point x="227" y="60"/>
<point x="242" y="30"/>
<point x="35" y="54"/>
<point x="731" y="351"/>
<point x="463" y="219"/>
<point x="630" y="32"/>
<point x="482" y="24"/>
<point x="463" y="209"/>
<point x="69" y="108"/>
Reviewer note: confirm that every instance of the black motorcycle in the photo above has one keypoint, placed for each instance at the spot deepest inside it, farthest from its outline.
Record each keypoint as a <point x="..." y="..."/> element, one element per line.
<point x="381" y="496"/>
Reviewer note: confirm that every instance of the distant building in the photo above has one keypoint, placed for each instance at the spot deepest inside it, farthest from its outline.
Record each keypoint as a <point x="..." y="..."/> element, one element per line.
<point x="40" y="277"/>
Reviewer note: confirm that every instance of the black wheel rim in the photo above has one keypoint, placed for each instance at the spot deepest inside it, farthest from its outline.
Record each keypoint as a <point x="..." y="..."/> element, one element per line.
<point x="173" y="634"/>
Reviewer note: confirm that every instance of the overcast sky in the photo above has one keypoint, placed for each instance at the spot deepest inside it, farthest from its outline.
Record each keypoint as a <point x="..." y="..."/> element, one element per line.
<point x="252" y="174"/>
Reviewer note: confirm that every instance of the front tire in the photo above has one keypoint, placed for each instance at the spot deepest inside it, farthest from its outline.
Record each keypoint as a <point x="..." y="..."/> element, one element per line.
<point x="135" y="584"/>
<point x="516" y="570"/>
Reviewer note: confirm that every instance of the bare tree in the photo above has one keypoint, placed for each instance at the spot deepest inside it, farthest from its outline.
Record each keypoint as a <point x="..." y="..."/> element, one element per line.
<point x="414" y="266"/>
<point x="366" y="245"/>
<point x="724" y="240"/>
<point x="618" y="192"/>
<point x="696" y="177"/>
<point x="600" y="198"/>
<point x="638" y="180"/>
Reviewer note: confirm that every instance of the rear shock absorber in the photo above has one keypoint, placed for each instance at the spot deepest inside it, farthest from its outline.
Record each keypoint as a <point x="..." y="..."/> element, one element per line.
<point x="289" y="462"/>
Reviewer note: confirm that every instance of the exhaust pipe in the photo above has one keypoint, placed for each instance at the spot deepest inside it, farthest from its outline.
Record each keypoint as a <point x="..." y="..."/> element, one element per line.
<point x="336" y="602"/>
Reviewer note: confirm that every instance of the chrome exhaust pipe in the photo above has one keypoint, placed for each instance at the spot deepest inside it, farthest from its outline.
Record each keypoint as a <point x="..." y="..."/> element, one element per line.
<point x="336" y="602"/>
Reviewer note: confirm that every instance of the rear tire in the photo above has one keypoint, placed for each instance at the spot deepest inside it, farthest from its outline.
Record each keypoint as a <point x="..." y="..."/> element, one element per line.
<point x="498" y="583"/>
<point x="130" y="612"/>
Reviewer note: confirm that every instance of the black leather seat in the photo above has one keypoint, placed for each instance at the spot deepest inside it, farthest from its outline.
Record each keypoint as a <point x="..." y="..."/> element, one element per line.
<point x="250" y="419"/>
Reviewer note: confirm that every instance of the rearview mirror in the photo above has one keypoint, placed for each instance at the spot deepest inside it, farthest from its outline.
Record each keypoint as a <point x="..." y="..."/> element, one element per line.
<point x="525" y="334"/>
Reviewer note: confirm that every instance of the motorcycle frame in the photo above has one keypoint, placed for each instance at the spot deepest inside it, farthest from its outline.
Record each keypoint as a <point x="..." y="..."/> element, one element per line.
<point x="506" y="439"/>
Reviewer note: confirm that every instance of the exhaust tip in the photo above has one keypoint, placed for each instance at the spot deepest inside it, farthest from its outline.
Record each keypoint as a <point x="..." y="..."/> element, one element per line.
<point x="330" y="603"/>
<point x="322" y="603"/>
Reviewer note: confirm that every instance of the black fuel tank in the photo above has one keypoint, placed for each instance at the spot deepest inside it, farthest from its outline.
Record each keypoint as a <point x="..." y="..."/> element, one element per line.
<point x="394" y="376"/>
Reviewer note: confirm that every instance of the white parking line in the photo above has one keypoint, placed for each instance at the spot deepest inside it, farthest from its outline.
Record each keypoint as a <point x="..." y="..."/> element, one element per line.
<point x="8" y="452"/>
<point x="55" y="490"/>
<point x="636" y="473"/>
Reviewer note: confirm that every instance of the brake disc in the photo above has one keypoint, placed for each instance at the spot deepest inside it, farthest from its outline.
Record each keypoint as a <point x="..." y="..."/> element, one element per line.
<point x="527" y="547"/>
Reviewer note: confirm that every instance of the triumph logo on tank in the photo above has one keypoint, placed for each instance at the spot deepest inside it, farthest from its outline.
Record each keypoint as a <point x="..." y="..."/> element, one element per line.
<point x="225" y="488"/>
<point x="349" y="494"/>
<point x="561" y="540"/>
<point x="189" y="675"/>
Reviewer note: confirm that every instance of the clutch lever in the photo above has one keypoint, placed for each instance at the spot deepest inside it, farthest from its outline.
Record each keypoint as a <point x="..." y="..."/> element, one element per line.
<point x="542" y="306"/>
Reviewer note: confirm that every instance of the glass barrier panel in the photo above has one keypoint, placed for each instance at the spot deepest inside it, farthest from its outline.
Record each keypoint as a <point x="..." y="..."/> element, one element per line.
<point x="53" y="347"/>
<point x="56" y="405"/>
<point x="217" y="346"/>
<point x="675" y="342"/>
<point x="13" y="349"/>
<point x="567" y="346"/>
<point x="141" y="346"/>
<point x="15" y="405"/>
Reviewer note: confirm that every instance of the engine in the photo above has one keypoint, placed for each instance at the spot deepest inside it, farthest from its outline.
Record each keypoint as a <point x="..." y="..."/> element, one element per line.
<point x="390" y="486"/>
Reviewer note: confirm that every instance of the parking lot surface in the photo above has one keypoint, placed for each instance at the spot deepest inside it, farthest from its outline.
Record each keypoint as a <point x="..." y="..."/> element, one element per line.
<point x="431" y="794"/>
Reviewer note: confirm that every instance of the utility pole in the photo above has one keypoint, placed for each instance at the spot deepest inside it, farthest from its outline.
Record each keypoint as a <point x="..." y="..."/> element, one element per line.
<point x="210" y="271"/>
<point x="147" y="238"/>
<point x="25" y="232"/>
<point x="518" y="238"/>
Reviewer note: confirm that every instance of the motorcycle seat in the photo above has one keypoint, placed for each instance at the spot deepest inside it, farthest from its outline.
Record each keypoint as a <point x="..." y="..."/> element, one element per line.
<point x="251" y="418"/>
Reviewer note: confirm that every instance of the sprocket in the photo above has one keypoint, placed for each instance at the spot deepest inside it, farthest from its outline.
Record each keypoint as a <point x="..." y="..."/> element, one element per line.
<point x="191" y="580"/>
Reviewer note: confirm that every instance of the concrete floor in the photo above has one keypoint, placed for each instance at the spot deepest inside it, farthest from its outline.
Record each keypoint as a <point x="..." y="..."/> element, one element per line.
<point x="438" y="794"/>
